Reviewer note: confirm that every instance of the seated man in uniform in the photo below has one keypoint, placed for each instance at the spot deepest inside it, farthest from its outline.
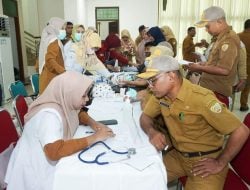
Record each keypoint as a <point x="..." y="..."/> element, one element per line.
<point x="197" y="123"/>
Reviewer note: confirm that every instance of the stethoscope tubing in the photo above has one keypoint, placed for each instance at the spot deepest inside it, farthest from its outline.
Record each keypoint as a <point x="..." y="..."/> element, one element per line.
<point x="99" y="155"/>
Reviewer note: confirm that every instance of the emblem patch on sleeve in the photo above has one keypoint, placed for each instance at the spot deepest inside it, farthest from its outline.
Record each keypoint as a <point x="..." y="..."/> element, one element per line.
<point x="224" y="47"/>
<point x="216" y="107"/>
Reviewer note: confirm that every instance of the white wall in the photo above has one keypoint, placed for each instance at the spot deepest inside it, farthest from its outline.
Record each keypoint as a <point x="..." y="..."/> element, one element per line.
<point x="74" y="11"/>
<point x="47" y="9"/>
<point x="30" y="17"/>
<point x="132" y="13"/>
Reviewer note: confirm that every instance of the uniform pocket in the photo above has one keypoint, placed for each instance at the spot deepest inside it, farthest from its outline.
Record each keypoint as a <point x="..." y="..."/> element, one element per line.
<point x="190" y="124"/>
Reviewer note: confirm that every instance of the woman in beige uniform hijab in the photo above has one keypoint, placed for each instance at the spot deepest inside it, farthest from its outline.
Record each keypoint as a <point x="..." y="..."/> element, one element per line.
<point x="85" y="53"/>
<point x="51" y="61"/>
<point x="170" y="38"/>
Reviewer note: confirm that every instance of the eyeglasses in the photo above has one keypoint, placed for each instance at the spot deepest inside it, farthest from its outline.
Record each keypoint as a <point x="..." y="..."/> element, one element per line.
<point x="152" y="81"/>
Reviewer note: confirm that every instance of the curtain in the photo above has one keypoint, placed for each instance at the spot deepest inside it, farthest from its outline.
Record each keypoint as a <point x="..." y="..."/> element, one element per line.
<point x="181" y="14"/>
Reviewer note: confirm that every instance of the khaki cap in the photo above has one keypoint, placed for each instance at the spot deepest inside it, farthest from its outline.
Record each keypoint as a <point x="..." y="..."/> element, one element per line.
<point x="210" y="14"/>
<point x="163" y="63"/>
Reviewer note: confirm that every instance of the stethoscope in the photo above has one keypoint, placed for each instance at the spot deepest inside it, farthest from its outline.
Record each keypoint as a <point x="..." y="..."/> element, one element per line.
<point x="129" y="152"/>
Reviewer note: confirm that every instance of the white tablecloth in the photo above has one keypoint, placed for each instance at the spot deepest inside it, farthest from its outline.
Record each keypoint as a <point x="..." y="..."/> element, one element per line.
<point x="143" y="171"/>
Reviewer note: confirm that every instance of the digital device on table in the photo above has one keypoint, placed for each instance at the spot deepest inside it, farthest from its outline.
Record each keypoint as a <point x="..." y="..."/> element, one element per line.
<point x="109" y="122"/>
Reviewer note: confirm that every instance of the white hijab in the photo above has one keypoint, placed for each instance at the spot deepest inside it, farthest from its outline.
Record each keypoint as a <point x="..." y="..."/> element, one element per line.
<point x="48" y="36"/>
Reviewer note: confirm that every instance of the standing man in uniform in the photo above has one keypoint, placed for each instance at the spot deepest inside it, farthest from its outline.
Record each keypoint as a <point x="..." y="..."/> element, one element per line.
<point x="219" y="72"/>
<point x="197" y="124"/>
<point x="188" y="46"/>
<point x="245" y="38"/>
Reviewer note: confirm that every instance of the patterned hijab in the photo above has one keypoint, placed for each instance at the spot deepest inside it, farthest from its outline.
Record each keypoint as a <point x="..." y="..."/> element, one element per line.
<point x="49" y="34"/>
<point x="130" y="43"/>
<point x="64" y="94"/>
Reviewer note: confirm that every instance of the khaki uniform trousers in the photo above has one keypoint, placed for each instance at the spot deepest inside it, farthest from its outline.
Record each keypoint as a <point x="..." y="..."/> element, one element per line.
<point x="178" y="165"/>
<point x="245" y="93"/>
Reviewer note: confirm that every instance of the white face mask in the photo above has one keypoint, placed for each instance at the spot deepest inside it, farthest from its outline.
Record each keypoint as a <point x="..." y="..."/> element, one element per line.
<point x="61" y="35"/>
<point x="78" y="36"/>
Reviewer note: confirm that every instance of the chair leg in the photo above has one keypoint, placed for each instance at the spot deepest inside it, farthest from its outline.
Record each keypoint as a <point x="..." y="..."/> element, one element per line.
<point x="178" y="185"/>
<point x="233" y="99"/>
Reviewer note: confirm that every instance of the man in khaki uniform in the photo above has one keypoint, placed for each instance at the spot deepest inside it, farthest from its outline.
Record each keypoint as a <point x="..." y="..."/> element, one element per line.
<point x="188" y="46"/>
<point x="245" y="38"/>
<point x="196" y="122"/>
<point x="219" y="72"/>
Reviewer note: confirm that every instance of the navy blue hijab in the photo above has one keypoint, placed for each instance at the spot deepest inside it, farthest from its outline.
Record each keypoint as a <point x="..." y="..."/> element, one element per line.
<point x="157" y="35"/>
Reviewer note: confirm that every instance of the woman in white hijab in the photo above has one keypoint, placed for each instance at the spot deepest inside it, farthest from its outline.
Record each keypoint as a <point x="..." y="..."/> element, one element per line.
<point x="50" y="124"/>
<point x="51" y="61"/>
<point x="85" y="52"/>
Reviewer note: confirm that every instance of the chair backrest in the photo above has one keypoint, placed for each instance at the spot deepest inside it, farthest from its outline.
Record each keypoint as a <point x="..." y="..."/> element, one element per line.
<point x="34" y="79"/>
<point x="241" y="162"/>
<point x="17" y="88"/>
<point x="21" y="108"/>
<point x="8" y="133"/>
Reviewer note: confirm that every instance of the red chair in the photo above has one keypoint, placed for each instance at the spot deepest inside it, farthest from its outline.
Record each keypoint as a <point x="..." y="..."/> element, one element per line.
<point x="241" y="161"/>
<point x="240" y="164"/>
<point x="8" y="133"/>
<point x="21" y="108"/>
<point x="247" y="120"/>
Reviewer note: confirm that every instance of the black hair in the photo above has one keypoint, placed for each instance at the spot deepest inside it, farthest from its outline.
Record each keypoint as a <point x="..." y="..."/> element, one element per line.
<point x="149" y="44"/>
<point x="247" y="24"/>
<point x="190" y="28"/>
<point x="69" y="23"/>
<point x="141" y="28"/>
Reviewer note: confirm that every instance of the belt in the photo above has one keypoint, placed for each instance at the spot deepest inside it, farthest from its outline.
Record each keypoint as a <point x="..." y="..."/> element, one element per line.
<point x="196" y="154"/>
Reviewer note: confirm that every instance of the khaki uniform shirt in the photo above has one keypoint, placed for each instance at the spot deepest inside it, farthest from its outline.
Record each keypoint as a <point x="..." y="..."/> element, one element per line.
<point x="245" y="38"/>
<point x="224" y="54"/>
<point x="196" y="120"/>
<point x="54" y="65"/>
<point x="188" y="54"/>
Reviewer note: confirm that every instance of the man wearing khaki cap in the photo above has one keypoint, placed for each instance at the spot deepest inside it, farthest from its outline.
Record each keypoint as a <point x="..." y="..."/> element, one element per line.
<point x="219" y="72"/>
<point x="196" y="122"/>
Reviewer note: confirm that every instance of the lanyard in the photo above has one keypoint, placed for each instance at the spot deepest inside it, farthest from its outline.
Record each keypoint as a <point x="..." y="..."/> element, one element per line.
<point x="129" y="152"/>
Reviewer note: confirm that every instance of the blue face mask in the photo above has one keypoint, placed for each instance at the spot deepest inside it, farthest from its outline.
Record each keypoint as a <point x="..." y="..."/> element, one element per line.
<point x="78" y="36"/>
<point x="61" y="35"/>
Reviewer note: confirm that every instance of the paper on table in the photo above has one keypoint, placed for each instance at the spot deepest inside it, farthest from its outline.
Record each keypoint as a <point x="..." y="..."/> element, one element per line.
<point x="184" y="62"/>
<point x="144" y="158"/>
<point x="139" y="163"/>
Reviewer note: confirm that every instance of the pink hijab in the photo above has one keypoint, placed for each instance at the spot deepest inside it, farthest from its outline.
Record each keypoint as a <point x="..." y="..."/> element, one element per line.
<point x="64" y="94"/>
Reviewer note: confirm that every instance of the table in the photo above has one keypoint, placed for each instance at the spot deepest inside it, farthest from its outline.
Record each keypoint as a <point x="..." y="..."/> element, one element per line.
<point x="143" y="171"/>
